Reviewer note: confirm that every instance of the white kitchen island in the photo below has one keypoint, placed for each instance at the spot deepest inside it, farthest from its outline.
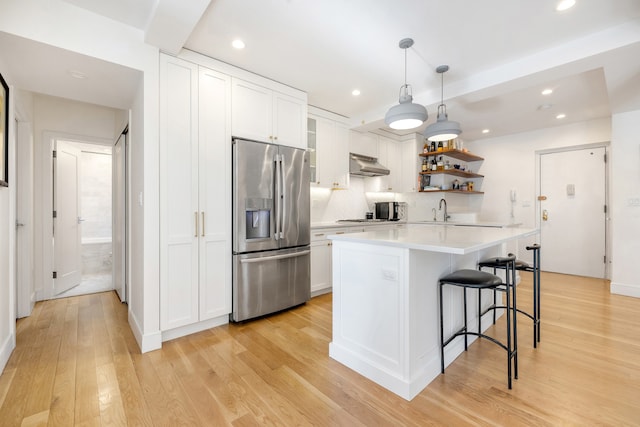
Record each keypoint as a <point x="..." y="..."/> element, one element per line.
<point x="385" y="298"/>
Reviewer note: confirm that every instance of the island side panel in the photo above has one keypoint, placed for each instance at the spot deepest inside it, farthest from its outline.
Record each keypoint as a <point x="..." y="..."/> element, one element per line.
<point x="370" y="316"/>
<point x="386" y="314"/>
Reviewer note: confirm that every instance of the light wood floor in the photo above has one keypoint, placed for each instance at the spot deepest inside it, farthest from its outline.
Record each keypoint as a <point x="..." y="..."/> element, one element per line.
<point x="77" y="363"/>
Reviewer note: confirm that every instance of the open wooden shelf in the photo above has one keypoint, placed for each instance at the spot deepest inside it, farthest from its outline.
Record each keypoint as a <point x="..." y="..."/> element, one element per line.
<point x="465" y="156"/>
<point x="451" y="191"/>
<point x="455" y="172"/>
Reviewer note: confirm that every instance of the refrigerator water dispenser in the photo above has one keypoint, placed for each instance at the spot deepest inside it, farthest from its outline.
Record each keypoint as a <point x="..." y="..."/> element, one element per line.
<point x="257" y="224"/>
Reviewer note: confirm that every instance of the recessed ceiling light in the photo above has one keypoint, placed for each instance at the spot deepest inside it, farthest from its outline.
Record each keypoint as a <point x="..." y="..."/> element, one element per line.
<point x="561" y="116"/>
<point x="565" y="4"/>
<point x="485" y="131"/>
<point x="547" y="91"/>
<point x="238" y="44"/>
<point x="77" y="74"/>
<point x="355" y="92"/>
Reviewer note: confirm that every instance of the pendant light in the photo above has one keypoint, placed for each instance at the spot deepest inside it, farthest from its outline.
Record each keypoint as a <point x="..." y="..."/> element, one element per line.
<point x="405" y="115"/>
<point x="443" y="129"/>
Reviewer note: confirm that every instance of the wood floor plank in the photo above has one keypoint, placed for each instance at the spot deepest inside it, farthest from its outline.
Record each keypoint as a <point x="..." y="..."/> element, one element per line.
<point x="275" y="371"/>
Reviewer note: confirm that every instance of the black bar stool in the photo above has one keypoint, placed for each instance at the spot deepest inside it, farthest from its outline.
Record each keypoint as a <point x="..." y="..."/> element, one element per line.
<point x="474" y="279"/>
<point x="496" y="263"/>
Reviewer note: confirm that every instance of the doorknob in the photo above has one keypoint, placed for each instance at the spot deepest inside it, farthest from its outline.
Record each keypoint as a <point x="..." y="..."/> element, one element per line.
<point x="19" y="224"/>
<point x="545" y="215"/>
<point x="81" y="220"/>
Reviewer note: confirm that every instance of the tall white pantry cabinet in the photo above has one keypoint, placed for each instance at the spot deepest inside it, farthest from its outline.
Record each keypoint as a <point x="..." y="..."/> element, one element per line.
<point x="195" y="195"/>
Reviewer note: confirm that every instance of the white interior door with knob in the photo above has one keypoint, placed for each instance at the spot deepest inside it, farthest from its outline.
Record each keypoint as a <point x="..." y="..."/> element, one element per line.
<point x="572" y="212"/>
<point x="67" y="255"/>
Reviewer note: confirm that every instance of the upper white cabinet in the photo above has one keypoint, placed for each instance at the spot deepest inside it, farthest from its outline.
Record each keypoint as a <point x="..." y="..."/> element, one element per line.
<point x="263" y="113"/>
<point x="363" y="143"/>
<point x="195" y="180"/>
<point x="410" y="163"/>
<point x="400" y="158"/>
<point x="331" y="152"/>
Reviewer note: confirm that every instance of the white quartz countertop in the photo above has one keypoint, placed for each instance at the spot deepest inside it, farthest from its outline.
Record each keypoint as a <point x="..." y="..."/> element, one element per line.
<point x="343" y="224"/>
<point x="438" y="238"/>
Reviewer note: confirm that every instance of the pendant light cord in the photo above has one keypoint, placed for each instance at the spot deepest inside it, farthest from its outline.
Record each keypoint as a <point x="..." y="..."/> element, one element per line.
<point x="405" y="66"/>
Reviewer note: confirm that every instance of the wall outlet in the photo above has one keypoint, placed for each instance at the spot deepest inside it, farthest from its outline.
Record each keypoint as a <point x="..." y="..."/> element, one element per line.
<point x="389" y="274"/>
<point x="633" y="201"/>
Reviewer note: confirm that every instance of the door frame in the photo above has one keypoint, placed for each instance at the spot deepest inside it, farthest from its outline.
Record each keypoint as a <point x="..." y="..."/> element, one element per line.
<point x="43" y="218"/>
<point x="120" y="219"/>
<point x="607" y="223"/>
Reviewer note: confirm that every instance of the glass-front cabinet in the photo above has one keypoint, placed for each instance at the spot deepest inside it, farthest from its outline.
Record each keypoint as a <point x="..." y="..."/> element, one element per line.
<point x="311" y="147"/>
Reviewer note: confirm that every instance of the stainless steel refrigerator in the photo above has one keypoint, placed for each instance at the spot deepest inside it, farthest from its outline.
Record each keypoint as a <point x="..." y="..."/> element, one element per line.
<point x="271" y="228"/>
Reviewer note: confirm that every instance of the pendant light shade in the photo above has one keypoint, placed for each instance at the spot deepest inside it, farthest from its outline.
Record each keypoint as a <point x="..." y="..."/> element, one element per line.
<point x="405" y="115"/>
<point x="443" y="129"/>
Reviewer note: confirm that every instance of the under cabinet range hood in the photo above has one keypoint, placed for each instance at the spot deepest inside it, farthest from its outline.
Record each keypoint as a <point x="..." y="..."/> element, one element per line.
<point x="361" y="165"/>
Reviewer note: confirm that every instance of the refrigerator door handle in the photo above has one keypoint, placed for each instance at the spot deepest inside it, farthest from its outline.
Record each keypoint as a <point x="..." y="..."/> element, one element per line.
<point x="276" y="161"/>
<point x="283" y="197"/>
<point x="274" y="257"/>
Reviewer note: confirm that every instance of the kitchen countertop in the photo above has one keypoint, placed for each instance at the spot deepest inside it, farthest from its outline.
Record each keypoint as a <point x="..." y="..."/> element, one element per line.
<point x="450" y="239"/>
<point x="341" y="224"/>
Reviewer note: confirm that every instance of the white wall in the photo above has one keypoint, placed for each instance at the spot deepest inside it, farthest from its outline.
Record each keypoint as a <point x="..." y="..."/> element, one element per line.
<point x="7" y="242"/>
<point x="510" y="163"/>
<point x="625" y="211"/>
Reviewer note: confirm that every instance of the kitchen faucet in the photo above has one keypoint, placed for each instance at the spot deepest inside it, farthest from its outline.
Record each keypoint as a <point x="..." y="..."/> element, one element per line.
<point x="446" y="216"/>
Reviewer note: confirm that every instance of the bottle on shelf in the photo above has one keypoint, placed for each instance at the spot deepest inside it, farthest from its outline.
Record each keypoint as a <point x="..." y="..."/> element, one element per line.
<point x="440" y="164"/>
<point x="425" y="166"/>
<point x="434" y="165"/>
<point x="440" y="148"/>
<point x="425" y="149"/>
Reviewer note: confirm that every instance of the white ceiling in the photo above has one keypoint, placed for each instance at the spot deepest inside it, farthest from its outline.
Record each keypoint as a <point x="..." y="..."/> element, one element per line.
<point x="501" y="54"/>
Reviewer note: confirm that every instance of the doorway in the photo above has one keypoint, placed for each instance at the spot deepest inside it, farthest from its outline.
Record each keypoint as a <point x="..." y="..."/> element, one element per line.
<point x="82" y="196"/>
<point x="573" y="211"/>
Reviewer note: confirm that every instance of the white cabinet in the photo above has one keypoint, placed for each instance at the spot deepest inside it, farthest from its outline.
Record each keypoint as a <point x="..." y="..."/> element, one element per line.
<point x="364" y="143"/>
<point x="321" y="261"/>
<point x="400" y="158"/>
<point x="411" y="164"/>
<point x="389" y="155"/>
<point x="332" y="153"/>
<point x="321" y="272"/>
<point x="195" y="161"/>
<point x="264" y="114"/>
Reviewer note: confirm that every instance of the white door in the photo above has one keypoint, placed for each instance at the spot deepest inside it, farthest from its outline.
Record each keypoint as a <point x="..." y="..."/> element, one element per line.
<point x="573" y="218"/>
<point x="180" y="219"/>
<point x="119" y="217"/>
<point x="24" y="220"/>
<point x="67" y="256"/>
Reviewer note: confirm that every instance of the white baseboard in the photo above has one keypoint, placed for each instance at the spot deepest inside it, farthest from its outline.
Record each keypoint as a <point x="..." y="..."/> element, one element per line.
<point x="625" y="289"/>
<point x="196" y="327"/>
<point x="146" y="342"/>
<point x="7" y="347"/>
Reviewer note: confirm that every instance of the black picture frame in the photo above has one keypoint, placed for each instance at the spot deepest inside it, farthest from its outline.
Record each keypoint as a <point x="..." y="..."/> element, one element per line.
<point x="4" y="133"/>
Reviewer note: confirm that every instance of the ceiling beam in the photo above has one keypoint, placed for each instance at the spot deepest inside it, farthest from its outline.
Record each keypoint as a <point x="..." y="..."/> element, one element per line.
<point x="172" y="22"/>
